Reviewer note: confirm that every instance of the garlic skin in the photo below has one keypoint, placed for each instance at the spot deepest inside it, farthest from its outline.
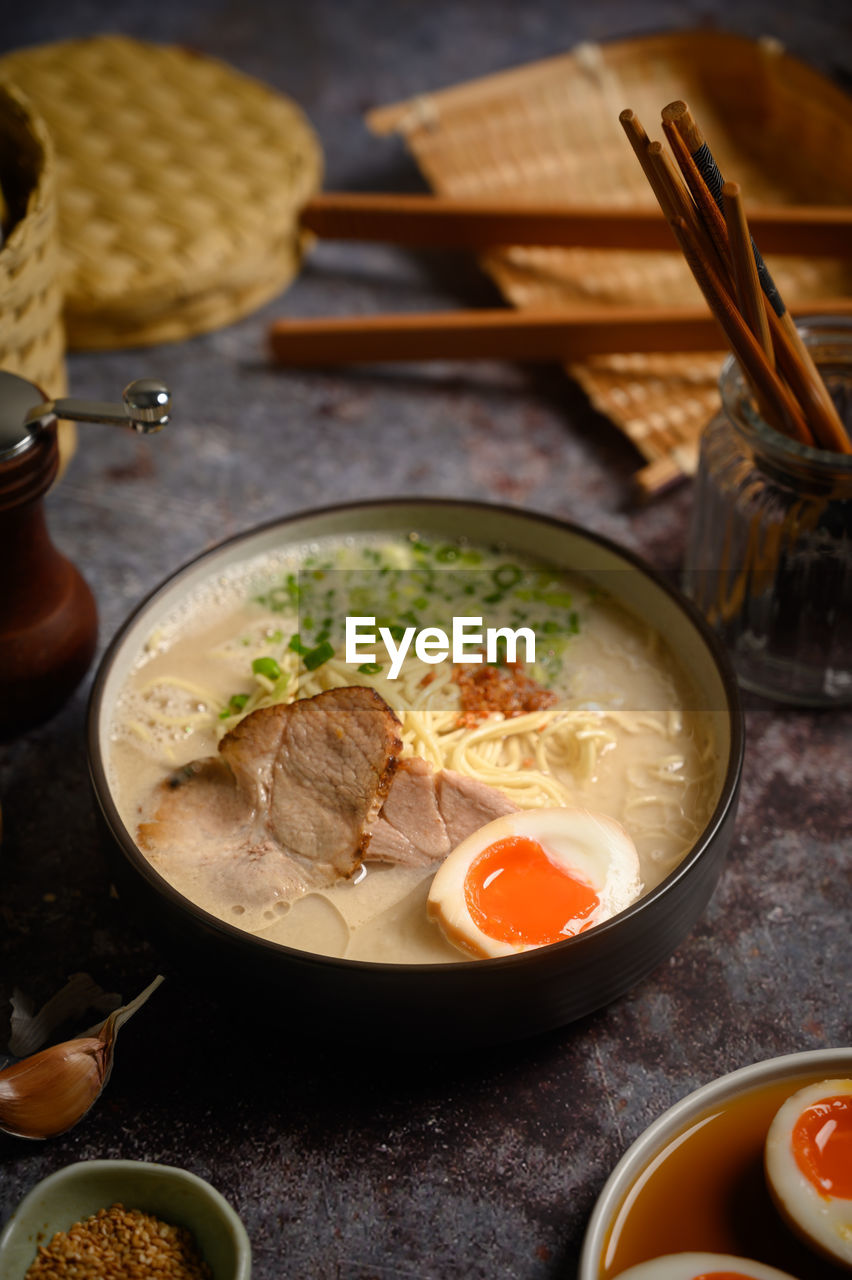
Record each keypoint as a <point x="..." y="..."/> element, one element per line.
<point x="49" y="1092"/>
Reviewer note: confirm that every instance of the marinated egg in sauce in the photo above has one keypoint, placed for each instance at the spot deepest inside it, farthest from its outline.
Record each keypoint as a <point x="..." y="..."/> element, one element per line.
<point x="808" y="1163"/>
<point x="531" y="878"/>
<point x="702" y="1266"/>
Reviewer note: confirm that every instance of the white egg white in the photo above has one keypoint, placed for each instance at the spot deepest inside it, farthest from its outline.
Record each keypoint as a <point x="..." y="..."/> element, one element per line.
<point x="591" y="846"/>
<point x="691" y="1266"/>
<point x="823" y="1221"/>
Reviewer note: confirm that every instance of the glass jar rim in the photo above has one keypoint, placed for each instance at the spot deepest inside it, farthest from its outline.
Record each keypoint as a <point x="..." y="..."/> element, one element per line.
<point x="816" y="331"/>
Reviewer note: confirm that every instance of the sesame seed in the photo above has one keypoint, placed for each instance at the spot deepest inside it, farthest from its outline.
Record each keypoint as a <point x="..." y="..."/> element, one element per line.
<point x="120" y="1244"/>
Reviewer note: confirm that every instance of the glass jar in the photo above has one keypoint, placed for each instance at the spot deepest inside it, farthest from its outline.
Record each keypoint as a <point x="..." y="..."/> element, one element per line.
<point x="769" y="550"/>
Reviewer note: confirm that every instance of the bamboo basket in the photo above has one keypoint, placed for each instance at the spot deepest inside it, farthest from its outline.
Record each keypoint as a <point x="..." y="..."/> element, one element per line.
<point x="32" y="341"/>
<point x="179" y="180"/>
<point x="550" y="131"/>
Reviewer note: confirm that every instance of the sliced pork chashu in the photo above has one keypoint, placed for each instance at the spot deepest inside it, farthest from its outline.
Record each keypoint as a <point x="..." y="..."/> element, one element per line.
<point x="317" y="771"/>
<point x="428" y="812"/>
<point x="296" y="785"/>
<point x="297" y="797"/>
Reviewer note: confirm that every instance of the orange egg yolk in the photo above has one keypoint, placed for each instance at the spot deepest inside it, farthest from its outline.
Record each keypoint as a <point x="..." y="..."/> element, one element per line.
<point x="721" y="1275"/>
<point x="822" y="1145"/>
<point x="516" y="893"/>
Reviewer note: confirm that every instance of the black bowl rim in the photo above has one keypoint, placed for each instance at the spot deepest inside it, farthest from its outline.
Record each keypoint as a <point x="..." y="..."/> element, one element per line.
<point x="117" y="829"/>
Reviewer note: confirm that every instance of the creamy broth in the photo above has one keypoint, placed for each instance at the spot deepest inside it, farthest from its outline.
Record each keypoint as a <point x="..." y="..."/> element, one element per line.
<point x="619" y="739"/>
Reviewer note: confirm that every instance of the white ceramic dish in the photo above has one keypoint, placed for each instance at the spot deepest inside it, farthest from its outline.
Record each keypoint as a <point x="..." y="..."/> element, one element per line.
<point x="175" y="1195"/>
<point x="619" y="1198"/>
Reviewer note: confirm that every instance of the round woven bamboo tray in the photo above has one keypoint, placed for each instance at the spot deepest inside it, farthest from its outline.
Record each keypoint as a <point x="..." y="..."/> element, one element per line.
<point x="32" y="341"/>
<point x="178" y="182"/>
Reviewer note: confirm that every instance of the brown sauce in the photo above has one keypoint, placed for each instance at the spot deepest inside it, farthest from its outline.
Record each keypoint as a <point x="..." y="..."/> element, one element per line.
<point x="705" y="1190"/>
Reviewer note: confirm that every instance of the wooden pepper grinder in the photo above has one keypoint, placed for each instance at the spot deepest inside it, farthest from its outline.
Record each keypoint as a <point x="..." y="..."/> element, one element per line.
<point x="48" y="617"/>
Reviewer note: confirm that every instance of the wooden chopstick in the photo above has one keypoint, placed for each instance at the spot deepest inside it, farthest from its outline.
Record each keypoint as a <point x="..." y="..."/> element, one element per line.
<point x="792" y="356"/>
<point x="709" y="261"/>
<point x="526" y="336"/>
<point x="749" y="292"/>
<point x="707" y="255"/>
<point x="777" y="405"/>
<point x="678" y="203"/>
<point x="442" y="222"/>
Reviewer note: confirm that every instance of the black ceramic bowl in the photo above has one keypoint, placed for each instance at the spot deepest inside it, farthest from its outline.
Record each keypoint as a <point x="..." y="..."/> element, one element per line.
<point x="471" y="1002"/>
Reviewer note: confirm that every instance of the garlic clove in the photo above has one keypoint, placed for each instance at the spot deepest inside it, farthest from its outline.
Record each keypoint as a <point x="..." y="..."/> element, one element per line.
<point x="50" y="1091"/>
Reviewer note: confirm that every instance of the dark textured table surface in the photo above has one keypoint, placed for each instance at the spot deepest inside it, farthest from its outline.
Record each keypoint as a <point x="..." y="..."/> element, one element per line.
<point x="474" y="1165"/>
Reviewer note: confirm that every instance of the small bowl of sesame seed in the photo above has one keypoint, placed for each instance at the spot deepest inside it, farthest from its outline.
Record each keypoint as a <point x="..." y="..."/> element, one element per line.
<point x="125" y="1220"/>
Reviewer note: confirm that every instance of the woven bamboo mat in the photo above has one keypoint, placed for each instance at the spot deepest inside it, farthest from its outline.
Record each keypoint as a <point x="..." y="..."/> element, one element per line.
<point x="178" y="180"/>
<point x="550" y="131"/>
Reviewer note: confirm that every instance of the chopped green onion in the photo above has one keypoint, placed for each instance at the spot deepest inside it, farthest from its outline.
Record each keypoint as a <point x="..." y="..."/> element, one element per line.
<point x="280" y="597"/>
<point x="296" y="646"/>
<point x="318" y="655"/>
<point x="557" y="599"/>
<point x="235" y="705"/>
<point x="370" y="668"/>
<point x="447" y="555"/>
<point x="507" y="575"/>
<point x="266" y="667"/>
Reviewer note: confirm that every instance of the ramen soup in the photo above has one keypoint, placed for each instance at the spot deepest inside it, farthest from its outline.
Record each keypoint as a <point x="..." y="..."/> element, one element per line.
<point x="593" y="715"/>
<point x="706" y="1189"/>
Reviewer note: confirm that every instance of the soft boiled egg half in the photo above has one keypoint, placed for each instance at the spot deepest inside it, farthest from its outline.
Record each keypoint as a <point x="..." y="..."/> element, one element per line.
<point x="808" y="1161"/>
<point x="532" y="878"/>
<point x="702" y="1266"/>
